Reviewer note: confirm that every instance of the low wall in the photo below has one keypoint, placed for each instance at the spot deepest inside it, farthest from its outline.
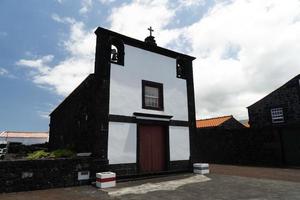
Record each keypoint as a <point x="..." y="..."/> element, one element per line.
<point x="240" y="146"/>
<point x="24" y="175"/>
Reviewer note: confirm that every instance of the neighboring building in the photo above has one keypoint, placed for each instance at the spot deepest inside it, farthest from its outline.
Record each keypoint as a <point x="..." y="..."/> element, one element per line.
<point x="137" y="109"/>
<point x="224" y="122"/>
<point x="26" y="138"/>
<point x="280" y="107"/>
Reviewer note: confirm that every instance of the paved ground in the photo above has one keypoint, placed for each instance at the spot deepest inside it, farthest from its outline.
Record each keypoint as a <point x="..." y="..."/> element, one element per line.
<point x="225" y="182"/>
<point x="258" y="172"/>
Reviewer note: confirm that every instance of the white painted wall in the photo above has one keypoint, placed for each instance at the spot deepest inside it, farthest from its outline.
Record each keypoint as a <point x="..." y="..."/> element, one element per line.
<point x="126" y="98"/>
<point x="179" y="143"/>
<point x="122" y="143"/>
<point x="126" y="84"/>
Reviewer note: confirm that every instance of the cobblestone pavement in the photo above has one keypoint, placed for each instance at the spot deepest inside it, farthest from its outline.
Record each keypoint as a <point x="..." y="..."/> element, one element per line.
<point x="225" y="182"/>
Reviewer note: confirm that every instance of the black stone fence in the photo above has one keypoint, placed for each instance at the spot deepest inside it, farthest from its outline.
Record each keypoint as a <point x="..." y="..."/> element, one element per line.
<point x="25" y="175"/>
<point x="270" y="146"/>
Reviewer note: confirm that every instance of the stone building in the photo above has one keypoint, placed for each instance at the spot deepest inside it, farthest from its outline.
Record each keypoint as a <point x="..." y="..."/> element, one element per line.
<point x="136" y="110"/>
<point x="223" y="122"/>
<point x="280" y="107"/>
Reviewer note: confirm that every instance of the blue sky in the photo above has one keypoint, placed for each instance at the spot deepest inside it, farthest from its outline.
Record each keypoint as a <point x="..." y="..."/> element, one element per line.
<point x="244" y="49"/>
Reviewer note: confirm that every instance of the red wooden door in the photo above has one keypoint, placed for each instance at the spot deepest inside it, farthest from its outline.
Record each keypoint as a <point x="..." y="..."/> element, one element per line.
<point x="152" y="148"/>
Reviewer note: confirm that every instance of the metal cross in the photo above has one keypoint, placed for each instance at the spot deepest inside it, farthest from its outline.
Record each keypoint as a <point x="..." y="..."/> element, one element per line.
<point x="151" y="30"/>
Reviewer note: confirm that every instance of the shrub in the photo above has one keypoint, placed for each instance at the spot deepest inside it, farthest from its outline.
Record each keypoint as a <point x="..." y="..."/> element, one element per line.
<point x="62" y="153"/>
<point x="59" y="153"/>
<point x="38" y="154"/>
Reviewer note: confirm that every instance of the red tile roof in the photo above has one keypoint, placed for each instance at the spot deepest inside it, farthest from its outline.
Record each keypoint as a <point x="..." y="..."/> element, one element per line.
<point x="23" y="134"/>
<point x="212" y="122"/>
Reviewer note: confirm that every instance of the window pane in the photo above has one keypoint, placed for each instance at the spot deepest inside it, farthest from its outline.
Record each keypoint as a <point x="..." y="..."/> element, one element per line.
<point x="151" y="91"/>
<point x="151" y="97"/>
<point x="277" y="115"/>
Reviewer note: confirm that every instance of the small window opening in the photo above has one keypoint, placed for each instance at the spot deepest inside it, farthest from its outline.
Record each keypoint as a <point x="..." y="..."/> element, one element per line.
<point x="179" y="70"/>
<point x="152" y="93"/>
<point x="151" y="96"/>
<point x="116" y="51"/>
<point x="114" y="56"/>
<point x="181" y="65"/>
<point x="277" y="115"/>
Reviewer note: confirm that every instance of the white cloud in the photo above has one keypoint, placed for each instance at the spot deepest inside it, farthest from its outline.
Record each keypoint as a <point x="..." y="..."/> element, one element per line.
<point x="106" y="1"/>
<point x="66" y="20"/>
<point x="3" y="71"/>
<point x="43" y="114"/>
<point x="81" y="42"/>
<point x="244" y="48"/>
<point x="39" y="64"/>
<point x="68" y="73"/>
<point x="63" y="77"/>
<point x="134" y="18"/>
<point x="44" y="110"/>
<point x="86" y="5"/>
<point x="190" y="3"/>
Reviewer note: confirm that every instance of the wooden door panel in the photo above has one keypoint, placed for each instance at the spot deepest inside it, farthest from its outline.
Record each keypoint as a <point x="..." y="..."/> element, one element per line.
<point x="145" y="151"/>
<point x="152" y="148"/>
<point x="158" y="149"/>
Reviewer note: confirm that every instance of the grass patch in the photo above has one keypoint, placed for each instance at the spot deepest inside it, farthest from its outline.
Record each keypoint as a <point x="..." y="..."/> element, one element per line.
<point x="59" y="153"/>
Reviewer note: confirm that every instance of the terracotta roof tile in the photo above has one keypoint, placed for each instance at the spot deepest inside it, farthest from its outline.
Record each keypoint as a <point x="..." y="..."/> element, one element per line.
<point x="212" y="122"/>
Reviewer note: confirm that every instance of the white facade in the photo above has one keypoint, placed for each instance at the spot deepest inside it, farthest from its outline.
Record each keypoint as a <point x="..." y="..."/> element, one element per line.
<point x="122" y="143"/>
<point x="122" y="139"/>
<point x="126" y="98"/>
<point x="179" y="143"/>
<point x="126" y="84"/>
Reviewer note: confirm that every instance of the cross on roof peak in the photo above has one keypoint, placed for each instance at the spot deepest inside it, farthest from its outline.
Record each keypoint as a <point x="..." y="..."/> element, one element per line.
<point x="151" y="30"/>
<point x="150" y="39"/>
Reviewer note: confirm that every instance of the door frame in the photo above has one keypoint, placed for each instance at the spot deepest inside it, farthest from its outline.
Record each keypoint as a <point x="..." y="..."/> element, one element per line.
<point x="165" y="126"/>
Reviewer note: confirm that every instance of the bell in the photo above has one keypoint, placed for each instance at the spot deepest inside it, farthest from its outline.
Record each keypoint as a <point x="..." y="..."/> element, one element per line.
<point x="114" y="56"/>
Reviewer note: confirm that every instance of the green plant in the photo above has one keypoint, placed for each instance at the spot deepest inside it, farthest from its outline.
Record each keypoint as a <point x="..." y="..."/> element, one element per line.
<point x="59" y="153"/>
<point x="38" y="154"/>
<point x="62" y="153"/>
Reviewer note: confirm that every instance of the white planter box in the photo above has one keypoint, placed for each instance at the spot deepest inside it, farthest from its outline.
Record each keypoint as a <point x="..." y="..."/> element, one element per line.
<point x="201" y="168"/>
<point x="106" y="179"/>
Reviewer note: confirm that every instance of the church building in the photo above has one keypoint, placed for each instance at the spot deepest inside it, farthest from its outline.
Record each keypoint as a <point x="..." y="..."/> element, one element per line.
<point x="136" y="110"/>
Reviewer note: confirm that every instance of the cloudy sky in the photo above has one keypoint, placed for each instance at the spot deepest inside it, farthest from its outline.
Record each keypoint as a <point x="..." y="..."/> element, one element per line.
<point x="244" y="49"/>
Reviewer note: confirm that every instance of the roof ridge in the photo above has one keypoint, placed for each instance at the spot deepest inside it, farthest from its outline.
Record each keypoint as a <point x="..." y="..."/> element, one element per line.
<point x="215" y="117"/>
<point x="274" y="90"/>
